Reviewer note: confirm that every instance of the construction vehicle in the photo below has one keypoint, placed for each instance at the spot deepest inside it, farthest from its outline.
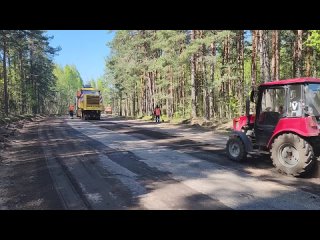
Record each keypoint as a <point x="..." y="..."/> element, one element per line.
<point x="286" y="124"/>
<point x="89" y="103"/>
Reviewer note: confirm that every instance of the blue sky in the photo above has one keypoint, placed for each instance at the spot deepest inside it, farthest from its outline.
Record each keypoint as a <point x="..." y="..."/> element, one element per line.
<point x="86" y="49"/>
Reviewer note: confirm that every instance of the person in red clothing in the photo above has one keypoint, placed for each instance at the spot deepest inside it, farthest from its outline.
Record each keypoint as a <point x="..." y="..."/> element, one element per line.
<point x="71" y="110"/>
<point x="157" y="113"/>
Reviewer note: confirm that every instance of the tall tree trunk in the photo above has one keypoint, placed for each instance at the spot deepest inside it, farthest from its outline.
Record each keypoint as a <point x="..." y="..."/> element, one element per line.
<point x="167" y="103"/>
<point x="299" y="53"/>
<point x="314" y="72"/>
<point x="150" y="100"/>
<point x="22" y="83"/>
<point x="309" y="53"/>
<point x="212" y="71"/>
<point x="225" y="73"/>
<point x="32" y="80"/>
<point x="134" y="99"/>
<point x="38" y="100"/>
<point x="171" y="94"/>
<point x="5" y="77"/>
<point x="275" y="56"/>
<point x="183" y="92"/>
<point x="142" y="92"/>
<point x="264" y="58"/>
<point x="193" y="81"/>
<point x="295" y="53"/>
<point x="206" y="102"/>
<point x="154" y="89"/>
<point x="277" y="53"/>
<point x="254" y="59"/>
<point x="241" y="91"/>
<point x="126" y="106"/>
<point x="120" y="105"/>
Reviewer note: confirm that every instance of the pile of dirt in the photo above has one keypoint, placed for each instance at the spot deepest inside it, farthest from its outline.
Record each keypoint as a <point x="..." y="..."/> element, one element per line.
<point x="200" y="122"/>
<point x="224" y="126"/>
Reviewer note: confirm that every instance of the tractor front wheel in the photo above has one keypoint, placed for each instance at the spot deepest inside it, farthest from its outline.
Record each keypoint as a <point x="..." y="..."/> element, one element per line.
<point x="292" y="155"/>
<point x="236" y="149"/>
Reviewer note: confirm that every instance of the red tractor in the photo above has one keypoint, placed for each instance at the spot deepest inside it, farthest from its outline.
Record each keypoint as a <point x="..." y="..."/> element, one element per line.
<point x="286" y="123"/>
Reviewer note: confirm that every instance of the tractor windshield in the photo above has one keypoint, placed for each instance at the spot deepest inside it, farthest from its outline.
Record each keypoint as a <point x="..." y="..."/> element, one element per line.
<point x="312" y="94"/>
<point x="91" y="92"/>
<point x="296" y="103"/>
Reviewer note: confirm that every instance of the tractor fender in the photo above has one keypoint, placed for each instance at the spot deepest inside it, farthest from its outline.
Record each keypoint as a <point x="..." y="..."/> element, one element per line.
<point x="244" y="138"/>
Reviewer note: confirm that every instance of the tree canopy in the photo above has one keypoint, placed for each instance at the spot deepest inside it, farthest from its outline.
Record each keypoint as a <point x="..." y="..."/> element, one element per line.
<point x="202" y="73"/>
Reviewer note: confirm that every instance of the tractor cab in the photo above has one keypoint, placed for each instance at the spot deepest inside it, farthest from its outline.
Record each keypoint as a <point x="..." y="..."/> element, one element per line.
<point x="285" y="124"/>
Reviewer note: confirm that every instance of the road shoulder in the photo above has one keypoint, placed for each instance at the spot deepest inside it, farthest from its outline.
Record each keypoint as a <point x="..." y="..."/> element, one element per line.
<point x="25" y="181"/>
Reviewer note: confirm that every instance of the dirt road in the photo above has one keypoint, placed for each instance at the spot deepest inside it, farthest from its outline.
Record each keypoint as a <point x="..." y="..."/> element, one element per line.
<point x="62" y="163"/>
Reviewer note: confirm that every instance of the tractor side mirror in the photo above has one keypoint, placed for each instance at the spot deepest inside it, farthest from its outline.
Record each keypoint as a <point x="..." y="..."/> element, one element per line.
<point x="252" y="96"/>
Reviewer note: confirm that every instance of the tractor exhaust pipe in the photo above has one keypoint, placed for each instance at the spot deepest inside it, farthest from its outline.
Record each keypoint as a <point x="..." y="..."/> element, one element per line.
<point x="248" y="110"/>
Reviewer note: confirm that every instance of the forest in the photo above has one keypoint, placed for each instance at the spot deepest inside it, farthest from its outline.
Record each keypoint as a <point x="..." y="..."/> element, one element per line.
<point x="203" y="73"/>
<point x="190" y="73"/>
<point x="27" y="82"/>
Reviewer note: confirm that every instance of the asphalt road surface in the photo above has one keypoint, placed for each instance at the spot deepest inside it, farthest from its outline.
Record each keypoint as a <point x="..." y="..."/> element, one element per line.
<point x="63" y="163"/>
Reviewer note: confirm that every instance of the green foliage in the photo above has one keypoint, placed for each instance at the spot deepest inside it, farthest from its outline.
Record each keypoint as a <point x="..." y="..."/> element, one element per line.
<point x="314" y="39"/>
<point x="26" y="71"/>
<point x="67" y="84"/>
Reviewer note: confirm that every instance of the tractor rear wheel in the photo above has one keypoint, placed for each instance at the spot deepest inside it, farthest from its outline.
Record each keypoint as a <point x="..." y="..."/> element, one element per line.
<point x="236" y="150"/>
<point x="292" y="155"/>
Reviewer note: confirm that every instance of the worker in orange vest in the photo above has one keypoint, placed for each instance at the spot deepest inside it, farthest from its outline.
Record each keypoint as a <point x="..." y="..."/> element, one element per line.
<point x="71" y="110"/>
<point x="157" y="113"/>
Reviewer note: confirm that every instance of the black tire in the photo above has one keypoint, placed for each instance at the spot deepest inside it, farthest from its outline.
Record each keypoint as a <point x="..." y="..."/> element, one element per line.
<point x="292" y="155"/>
<point x="236" y="150"/>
